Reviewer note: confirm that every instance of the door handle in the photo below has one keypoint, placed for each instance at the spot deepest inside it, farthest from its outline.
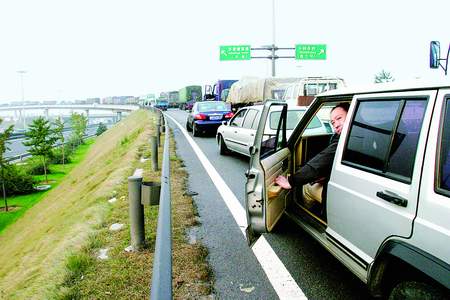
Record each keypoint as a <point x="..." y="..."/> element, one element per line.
<point x="393" y="198"/>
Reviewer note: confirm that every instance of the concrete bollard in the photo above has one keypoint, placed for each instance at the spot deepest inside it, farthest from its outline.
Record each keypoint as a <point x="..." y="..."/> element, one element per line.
<point x="136" y="210"/>
<point x="154" y="148"/>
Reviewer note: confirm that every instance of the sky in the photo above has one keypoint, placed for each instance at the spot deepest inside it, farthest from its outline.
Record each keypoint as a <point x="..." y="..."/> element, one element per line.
<point x="98" y="48"/>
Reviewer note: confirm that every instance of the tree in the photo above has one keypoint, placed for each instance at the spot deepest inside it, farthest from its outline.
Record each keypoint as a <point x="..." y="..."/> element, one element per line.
<point x="40" y="138"/>
<point x="79" y="125"/>
<point x="101" y="128"/>
<point x="58" y="128"/>
<point x="4" y="136"/>
<point x="383" y="76"/>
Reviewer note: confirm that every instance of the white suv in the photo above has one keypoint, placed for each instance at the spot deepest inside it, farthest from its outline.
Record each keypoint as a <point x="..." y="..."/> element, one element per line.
<point x="385" y="212"/>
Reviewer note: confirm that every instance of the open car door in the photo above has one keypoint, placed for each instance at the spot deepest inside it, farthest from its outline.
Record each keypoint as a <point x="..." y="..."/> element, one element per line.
<point x="269" y="157"/>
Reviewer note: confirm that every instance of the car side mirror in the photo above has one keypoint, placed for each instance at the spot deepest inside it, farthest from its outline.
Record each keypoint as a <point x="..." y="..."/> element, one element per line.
<point x="435" y="54"/>
<point x="224" y="122"/>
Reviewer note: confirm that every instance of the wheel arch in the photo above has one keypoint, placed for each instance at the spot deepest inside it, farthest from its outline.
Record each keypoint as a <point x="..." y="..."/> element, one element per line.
<point x="398" y="257"/>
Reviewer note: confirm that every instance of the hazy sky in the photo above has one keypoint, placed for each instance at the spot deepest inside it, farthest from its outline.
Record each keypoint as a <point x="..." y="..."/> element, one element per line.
<point x="96" y="48"/>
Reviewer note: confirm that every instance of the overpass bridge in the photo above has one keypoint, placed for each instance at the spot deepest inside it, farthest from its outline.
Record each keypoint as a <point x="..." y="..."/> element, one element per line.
<point x="115" y="109"/>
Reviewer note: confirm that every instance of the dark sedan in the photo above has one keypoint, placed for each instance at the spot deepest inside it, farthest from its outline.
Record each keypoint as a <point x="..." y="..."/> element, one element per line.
<point x="207" y="116"/>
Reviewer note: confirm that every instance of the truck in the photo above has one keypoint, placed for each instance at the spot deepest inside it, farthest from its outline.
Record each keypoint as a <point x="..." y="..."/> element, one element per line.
<point x="219" y="91"/>
<point x="252" y="90"/>
<point x="173" y="99"/>
<point x="188" y="95"/>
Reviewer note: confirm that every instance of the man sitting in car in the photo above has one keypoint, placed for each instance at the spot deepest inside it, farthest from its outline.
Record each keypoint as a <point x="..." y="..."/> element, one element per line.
<point x="318" y="169"/>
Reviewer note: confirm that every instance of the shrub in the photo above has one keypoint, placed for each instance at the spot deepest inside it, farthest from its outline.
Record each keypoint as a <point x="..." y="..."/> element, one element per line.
<point x="34" y="166"/>
<point x="17" y="181"/>
<point x="101" y="128"/>
<point x="57" y="156"/>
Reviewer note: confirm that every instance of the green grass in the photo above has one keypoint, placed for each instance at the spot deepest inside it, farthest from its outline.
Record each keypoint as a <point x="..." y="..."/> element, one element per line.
<point x="24" y="202"/>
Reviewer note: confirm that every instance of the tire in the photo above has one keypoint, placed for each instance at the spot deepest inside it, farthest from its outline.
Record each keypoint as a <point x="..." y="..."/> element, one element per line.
<point x="410" y="290"/>
<point x="223" y="150"/>
<point x="195" y="131"/>
<point x="188" y="128"/>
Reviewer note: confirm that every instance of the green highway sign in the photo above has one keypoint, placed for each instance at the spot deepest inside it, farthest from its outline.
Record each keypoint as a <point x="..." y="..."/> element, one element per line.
<point x="238" y="52"/>
<point x="311" y="51"/>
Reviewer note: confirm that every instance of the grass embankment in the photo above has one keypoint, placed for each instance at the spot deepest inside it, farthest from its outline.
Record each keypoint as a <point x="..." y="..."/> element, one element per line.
<point x="20" y="204"/>
<point x="51" y="252"/>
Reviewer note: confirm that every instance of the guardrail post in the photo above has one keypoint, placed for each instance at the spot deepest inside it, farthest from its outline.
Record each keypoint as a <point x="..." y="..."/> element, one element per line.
<point x="158" y="135"/>
<point x="137" y="229"/>
<point x="154" y="148"/>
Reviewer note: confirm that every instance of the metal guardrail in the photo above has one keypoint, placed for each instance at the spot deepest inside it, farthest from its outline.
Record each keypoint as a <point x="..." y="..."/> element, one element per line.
<point x="161" y="286"/>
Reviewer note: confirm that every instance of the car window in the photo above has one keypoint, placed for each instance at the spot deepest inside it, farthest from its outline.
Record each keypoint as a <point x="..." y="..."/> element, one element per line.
<point x="273" y="140"/>
<point x="256" y="120"/>
<point x="384" y="135"/>
<point x="444" y="155"/>
<point x="293" y="118"/>
<point x="249" y="118"/>
<point x="238" y="118"/>
<point x="212" y="106"/>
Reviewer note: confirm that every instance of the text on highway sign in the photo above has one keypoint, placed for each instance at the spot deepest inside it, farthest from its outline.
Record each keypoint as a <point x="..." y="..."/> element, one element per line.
<point x="236" y="52"/>
<point x="311" y="51"/>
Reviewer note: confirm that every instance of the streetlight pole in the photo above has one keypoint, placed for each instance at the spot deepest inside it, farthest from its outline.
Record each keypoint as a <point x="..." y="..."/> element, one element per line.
<point x="273" y="38"/>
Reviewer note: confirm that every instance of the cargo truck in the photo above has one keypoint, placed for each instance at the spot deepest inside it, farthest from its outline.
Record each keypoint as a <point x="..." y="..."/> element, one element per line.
<point x="173" y="99"/>
<point x="188" y="95"/>
<point x="219" y="91"/>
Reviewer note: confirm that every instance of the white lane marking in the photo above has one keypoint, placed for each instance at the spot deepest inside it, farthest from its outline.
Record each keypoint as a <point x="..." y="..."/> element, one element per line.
<point x="280" y="278"/>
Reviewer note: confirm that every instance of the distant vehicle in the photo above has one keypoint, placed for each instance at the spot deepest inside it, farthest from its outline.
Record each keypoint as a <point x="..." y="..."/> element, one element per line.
<point x="188" y="95"/>
<point x="303" y="91"/>
<point x="162" y="104"/>
<point x="207" y="116"/>
<point x="238" y="134"/>
<point x="219" y="91"/>
<point x="173" y="99"/>
<point x="255" y="90"/>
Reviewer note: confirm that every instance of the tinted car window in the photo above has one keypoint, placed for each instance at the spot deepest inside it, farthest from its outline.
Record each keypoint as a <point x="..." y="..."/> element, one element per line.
<point x="444" y="159"/>
<point x="384" y="136"/>
<point x="238" y="118"/>
<point x="256" y="121"/>
<point x="249" y="118"/>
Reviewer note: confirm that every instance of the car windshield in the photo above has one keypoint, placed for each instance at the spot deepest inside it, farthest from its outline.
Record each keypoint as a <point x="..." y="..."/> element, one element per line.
<point x="212" y="106"/>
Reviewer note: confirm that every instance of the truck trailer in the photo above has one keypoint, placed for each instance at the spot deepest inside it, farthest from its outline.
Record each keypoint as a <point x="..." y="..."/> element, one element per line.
<point x="188" y="95"/>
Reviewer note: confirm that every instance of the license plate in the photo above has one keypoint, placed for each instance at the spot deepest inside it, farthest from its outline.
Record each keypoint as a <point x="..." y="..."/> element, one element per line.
<point x="215" y="118"/>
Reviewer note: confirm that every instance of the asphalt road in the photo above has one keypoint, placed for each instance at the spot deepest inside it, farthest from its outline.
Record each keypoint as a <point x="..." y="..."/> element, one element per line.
<point x="238" y="274"/>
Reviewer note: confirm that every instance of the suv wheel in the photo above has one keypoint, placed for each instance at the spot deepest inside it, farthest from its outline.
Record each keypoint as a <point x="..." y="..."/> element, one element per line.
<point x="415" y="290"/>
<point x="188" y="128"/>
<point x="223" y="150"/>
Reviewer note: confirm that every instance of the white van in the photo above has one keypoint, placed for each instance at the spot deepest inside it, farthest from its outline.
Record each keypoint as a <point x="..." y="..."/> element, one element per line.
<point x="302" y="92"/>
<point x="385" y="211"/>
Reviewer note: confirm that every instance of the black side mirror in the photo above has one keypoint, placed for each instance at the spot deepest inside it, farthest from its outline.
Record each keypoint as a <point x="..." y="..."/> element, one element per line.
<point x="224" y="122"/>
<point x="435" y="54"/>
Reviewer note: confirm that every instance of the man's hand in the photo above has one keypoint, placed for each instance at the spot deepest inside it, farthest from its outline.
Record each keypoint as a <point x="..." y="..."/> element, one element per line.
<point x="283" y="182"/>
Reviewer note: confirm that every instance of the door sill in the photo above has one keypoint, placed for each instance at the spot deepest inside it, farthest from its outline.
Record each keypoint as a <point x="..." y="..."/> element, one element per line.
<point x="300" y="215"/>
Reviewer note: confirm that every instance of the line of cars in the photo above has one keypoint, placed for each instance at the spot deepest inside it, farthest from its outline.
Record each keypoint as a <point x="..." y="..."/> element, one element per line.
<point x="236" y="132"/>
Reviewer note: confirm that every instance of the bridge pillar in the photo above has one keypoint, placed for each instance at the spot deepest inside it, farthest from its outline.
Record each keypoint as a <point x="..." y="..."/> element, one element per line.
<point x="87" y="115"/>
<point x="46" y="113"/>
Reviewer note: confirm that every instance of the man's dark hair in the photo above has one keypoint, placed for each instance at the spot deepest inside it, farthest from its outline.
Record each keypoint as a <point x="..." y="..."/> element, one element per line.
<point x="344" y="105"/>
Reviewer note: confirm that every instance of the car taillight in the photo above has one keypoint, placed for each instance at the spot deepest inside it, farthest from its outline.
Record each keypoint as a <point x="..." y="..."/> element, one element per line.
<point x="200" y="117"/>
<point x="229" y="115"/>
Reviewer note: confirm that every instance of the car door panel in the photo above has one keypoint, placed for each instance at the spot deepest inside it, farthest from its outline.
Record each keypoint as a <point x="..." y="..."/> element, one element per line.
<point x="362" y="204"/>
<point x="263" y="211"/>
